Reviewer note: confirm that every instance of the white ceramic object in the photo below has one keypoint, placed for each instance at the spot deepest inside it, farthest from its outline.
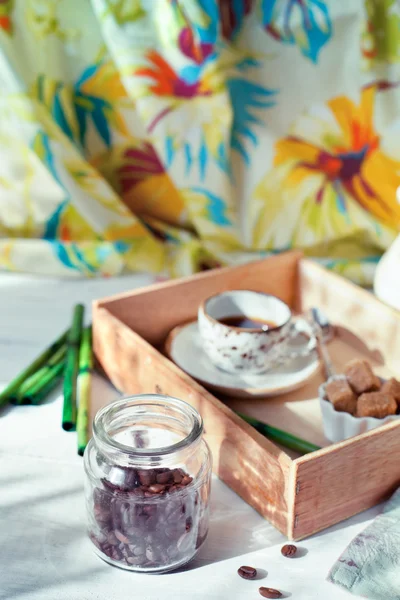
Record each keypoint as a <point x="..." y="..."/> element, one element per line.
<point x="340" y="426"/>
<point x="387" y="280"/>
<point x="184" y="347"/>
<point x="239" y="350"/>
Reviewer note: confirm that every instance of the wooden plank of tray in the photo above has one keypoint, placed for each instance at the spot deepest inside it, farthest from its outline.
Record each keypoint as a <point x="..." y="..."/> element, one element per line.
<point x="345" y="479"/>
<point x="246" y="461"/>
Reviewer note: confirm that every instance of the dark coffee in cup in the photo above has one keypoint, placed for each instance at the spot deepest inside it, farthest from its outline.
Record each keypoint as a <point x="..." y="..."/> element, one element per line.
<point x="247" y="322"/>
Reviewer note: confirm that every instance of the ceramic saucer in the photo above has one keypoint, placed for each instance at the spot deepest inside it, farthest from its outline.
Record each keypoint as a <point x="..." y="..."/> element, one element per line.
<point x="183" y="347"/>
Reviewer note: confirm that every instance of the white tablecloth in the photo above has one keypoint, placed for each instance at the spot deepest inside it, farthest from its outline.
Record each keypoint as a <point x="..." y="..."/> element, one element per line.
<point x="44" y="553"/>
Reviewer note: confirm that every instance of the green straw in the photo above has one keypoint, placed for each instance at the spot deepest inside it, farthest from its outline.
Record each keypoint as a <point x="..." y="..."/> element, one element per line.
<point x="71" y="369"/>
<point x="282" y="437"/>
<point x="12" y="389"/>
<point x="42" y="388"/>
<point x="84" y="387"/>
<point x="41" y="376"/>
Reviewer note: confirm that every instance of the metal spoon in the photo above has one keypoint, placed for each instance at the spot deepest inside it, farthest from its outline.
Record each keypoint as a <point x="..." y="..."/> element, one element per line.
<point x="323" y="332"/>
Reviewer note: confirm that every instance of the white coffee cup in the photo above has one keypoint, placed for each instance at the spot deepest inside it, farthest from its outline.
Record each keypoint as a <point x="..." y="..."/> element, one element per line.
<point x="256" y="350"/>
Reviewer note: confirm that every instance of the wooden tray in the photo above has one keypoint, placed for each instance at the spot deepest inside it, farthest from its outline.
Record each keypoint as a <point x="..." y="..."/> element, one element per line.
<point x="298" y="495"/>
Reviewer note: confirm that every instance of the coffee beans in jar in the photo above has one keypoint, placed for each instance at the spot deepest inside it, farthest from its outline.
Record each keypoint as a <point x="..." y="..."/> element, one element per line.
<point x="148" y="502"/>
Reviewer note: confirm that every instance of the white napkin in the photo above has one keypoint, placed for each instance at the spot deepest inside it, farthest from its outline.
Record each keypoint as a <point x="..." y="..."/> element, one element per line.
<point x="370" y="565"/>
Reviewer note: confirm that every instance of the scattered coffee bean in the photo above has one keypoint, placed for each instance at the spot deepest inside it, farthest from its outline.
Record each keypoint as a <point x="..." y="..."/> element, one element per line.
<point x="247" y="572"/>
<point x="289" y="550"/>
<point x="269" y="593"/>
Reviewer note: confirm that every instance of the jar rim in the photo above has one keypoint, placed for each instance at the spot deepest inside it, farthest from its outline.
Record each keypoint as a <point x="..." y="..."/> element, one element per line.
<point x="100" y="428"/>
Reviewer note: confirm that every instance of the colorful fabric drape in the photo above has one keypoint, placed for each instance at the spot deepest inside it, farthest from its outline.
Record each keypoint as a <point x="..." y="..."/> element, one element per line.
<point x="175" y="135"/>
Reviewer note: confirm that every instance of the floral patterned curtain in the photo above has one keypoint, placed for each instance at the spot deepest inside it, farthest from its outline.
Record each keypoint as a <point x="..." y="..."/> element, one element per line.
<point x="176" y="135"/>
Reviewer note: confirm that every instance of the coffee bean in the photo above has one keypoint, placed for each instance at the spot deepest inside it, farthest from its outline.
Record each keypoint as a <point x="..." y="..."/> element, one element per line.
<point x="164" y="477"/>
<point x="157" y="488"/>
<point x="150" y="553"/>
<point x="269" y="593"/>
<point x="289" y="550"/>
<point x="101" y="515"/>
<point x="186" y="480"/>
<point x="133" y="532"/>
<point x="177" y="475"/>
<point x="139" y="549"/>
<point x="135" y="560"/>
<point x="115" y="554"/>
<point x="147" y="477"/>
<point x="247" y="572"/>
<point x="121" y="537"/>
<point x="189" y="523"/>
<point x="112" y="539"/>
<point x="107" y="550"/>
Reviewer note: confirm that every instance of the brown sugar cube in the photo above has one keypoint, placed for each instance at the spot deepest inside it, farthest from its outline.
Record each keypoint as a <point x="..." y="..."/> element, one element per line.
<point x="360" y="376"/>
<point x="340" y="394"/>
<point x="392" y="387"/>
<point x="377" y="384"/>
<point x="376" y="404"/>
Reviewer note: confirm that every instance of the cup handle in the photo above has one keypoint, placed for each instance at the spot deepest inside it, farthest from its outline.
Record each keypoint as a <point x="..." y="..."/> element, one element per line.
<point x="300" y="326"/>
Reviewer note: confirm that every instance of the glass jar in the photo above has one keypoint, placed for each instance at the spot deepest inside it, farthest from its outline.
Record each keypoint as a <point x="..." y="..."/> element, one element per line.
<point x="148" y="477"/>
